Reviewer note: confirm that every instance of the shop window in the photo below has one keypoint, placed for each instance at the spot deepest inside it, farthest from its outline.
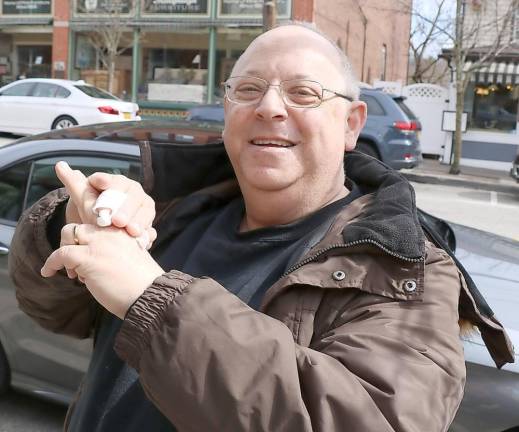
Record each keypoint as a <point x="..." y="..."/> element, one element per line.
<point x="174" y="66"/>
<point x="492" y="107"/>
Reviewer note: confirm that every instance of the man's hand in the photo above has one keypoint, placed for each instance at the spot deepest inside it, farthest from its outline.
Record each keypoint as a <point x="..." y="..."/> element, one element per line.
<point x="114" y="268"/>
<point x="135" y="215"/>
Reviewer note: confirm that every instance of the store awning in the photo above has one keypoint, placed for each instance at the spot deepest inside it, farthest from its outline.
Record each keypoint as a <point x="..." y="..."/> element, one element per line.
<point x="495" y="73"/>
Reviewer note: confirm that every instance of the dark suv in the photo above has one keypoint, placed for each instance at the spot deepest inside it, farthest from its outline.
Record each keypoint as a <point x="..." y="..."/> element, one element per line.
<point x="391" y="133"/>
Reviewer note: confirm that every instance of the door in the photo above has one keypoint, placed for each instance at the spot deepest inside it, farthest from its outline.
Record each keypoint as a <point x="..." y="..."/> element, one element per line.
<point x="14" y="101"/>
<point x="41" y="360"/>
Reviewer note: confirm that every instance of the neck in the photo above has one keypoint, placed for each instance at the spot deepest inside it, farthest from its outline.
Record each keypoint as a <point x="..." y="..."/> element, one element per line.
<point x="266" y="208"/>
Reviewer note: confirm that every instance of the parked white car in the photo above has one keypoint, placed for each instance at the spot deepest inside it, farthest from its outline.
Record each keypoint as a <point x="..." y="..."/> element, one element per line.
<point x="35" y="105"/>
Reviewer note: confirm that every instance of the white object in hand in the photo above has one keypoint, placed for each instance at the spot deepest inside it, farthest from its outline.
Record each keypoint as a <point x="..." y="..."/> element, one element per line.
<point x="106" y="205"/>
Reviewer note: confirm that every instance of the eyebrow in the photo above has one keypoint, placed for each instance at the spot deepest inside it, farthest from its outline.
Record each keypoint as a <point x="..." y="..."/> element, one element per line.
<point x="258" y="74"/>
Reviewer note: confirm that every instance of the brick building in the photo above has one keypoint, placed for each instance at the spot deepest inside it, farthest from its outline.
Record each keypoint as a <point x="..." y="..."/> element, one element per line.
<point x="184" y="48"/>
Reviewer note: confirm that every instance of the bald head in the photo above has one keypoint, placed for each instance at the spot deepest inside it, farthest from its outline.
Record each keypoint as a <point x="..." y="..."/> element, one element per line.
<point x="308" y="40"/>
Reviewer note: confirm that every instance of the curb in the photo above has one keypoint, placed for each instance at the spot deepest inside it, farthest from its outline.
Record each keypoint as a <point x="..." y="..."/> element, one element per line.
<point x="445" y="180"/>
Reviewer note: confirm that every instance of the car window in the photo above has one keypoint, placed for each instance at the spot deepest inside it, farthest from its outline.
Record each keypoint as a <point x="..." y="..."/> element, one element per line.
<point x="22" y="89"/>
<point x="95" y="92"/>
<point x="374" y="107"/>
<point x="43" y="177"/>
<point x="45" y="90"/>
<point x="405" y="109"/>
<point x="12" y="191"/>
<point x="62" y="92"/>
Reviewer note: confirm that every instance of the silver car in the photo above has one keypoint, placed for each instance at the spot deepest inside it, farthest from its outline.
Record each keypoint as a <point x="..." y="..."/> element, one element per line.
<point x="51" y="366"/>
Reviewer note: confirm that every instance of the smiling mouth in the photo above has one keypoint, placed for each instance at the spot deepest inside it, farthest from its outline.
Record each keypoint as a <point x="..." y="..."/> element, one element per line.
<point x="271" y="142"/>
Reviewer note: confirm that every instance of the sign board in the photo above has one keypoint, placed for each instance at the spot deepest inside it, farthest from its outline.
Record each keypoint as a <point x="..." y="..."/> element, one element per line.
<point x="252" y="7"/>
<point x="103" y="6"/>
<point x="449" y="121"/>
<point x="176" y="7"/>
<point x="26" y="7"/>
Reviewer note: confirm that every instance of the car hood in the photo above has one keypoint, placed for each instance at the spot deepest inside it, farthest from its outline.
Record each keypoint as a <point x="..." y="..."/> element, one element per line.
<point x="493" y="263"/>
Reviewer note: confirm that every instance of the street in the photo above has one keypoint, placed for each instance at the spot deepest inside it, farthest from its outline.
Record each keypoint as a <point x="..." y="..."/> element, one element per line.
<point x="494" y="212"/>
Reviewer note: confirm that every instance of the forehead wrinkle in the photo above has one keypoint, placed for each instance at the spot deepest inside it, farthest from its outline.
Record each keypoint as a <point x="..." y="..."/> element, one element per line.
<point x="284" y="40"/>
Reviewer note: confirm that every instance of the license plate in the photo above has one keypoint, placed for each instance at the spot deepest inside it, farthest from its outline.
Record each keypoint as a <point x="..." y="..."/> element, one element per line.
<point x="127" y="116"/>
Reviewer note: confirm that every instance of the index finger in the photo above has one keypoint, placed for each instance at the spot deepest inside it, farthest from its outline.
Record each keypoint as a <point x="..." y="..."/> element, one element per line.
<point x="77" y="185"/>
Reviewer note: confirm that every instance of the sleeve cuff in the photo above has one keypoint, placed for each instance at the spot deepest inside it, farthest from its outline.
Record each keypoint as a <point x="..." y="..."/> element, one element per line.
<point x="145" y="316"/>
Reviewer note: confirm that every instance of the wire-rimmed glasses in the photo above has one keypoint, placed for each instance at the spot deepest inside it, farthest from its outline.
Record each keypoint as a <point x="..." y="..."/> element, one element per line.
<point x="297" y="93"/>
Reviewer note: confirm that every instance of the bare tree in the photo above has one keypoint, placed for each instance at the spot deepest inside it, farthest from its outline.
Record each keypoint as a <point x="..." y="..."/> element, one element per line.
<point x="426" y="37"/>
<point x="111" y="20"/>
<point x="492" y="23"/>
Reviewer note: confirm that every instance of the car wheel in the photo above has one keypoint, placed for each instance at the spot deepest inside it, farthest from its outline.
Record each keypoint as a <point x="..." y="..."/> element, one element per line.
<point x="64" y="122"/>
<point x="367" y="148"/>
<point x="5" y="373"/>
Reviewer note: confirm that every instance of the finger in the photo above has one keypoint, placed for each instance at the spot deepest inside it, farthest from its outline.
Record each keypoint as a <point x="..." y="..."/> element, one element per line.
<point x="137" y="207"/>
<point x="141" y="219"/>
<point x="69" y="257"/>
<point x="152" y="234"/>
<point x="103" y="181"/>
<point x="82" y="194"/>
<point x="76" y="234"/>
<point x="71" y="274"/>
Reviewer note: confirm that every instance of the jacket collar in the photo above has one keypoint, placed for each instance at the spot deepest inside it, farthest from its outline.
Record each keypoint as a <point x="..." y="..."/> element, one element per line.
<point x="389" y="220"/>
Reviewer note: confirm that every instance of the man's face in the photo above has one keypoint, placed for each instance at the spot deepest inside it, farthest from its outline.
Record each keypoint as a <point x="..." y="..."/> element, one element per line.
<point x="274" y="147"/>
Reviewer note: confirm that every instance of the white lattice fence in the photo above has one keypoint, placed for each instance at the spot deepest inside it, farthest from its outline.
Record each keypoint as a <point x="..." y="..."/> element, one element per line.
<point x="428" y="101"/>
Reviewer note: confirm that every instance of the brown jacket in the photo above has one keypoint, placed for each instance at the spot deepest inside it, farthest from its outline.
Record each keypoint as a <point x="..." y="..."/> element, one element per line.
<point x="360" y="335"/>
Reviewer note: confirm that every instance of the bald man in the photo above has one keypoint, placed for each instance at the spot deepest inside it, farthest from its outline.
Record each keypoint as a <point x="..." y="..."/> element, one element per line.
<point x="293" y="290"/>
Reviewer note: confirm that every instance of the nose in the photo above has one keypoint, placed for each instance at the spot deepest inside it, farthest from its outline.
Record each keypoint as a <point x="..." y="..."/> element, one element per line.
<point x="272" y="106"/>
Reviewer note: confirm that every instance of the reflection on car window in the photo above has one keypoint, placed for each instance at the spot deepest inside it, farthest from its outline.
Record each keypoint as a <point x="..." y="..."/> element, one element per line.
<point x="95" y="92"/>
<point x="405" y="109"/>
<point x="22" y="89"/>
<point x="45" y="90"/>
<point x="43" y="178"/>
<point x="62" y="92"/>
<point x="12" y="190"/>
<point x="374" y="108"/>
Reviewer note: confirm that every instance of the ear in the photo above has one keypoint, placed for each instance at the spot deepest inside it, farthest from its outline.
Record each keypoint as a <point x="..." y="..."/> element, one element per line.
<point x="356" y="120"/>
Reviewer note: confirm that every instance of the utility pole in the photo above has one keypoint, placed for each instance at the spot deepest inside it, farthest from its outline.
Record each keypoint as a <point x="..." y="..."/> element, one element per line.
<point x="269" y="14"/>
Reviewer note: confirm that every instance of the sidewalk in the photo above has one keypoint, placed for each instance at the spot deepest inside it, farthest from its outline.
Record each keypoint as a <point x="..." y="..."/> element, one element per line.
<point x="432" y="171"/>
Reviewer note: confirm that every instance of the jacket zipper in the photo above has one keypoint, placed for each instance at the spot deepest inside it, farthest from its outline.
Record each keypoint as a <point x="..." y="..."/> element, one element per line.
<point x="347" y="245"/>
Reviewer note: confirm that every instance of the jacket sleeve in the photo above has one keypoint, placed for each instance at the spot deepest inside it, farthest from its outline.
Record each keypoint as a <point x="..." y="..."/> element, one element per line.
<point x="58" y="304"/>
<point x="210" y="363"/>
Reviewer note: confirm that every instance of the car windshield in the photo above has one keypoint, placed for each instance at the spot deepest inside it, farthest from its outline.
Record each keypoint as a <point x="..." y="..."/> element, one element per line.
<point x="400" y="102"/>
<point x="95" y="92"/>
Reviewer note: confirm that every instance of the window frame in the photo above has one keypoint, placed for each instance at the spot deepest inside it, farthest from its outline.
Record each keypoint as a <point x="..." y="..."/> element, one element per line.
<point x="62" y="155"/>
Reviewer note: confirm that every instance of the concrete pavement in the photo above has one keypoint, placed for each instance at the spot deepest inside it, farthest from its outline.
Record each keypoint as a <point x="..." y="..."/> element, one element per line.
<point x="433" y="172"/>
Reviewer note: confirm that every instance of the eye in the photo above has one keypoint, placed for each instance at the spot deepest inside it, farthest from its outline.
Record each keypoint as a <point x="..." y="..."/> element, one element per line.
<point x="302" y="91"/>
<point x="248" y="88"/>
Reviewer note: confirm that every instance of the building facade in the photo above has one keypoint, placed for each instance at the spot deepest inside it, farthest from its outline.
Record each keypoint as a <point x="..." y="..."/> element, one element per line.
<point x="178" y="51"/>
<point x="492" y="96"/>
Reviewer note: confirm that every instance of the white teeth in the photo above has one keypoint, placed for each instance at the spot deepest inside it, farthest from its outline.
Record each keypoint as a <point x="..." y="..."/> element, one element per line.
<point x="272" y="141"/>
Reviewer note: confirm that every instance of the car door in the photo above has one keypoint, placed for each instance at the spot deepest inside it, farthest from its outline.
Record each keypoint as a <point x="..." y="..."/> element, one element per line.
<point x="14" y="102"/>
<point x="40" y="360"/>
<point x="44" y="107"/>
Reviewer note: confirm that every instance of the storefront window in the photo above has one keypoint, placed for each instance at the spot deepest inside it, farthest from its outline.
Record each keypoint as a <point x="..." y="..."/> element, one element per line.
<point x="230" y="45"/>
<point x="251" y="8"/>
<point x="492" y="106"/>
<point x="174" y="66"/>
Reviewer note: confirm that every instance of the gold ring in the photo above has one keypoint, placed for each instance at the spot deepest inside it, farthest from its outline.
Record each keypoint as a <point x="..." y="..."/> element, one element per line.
<point x="74" y="234"/>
